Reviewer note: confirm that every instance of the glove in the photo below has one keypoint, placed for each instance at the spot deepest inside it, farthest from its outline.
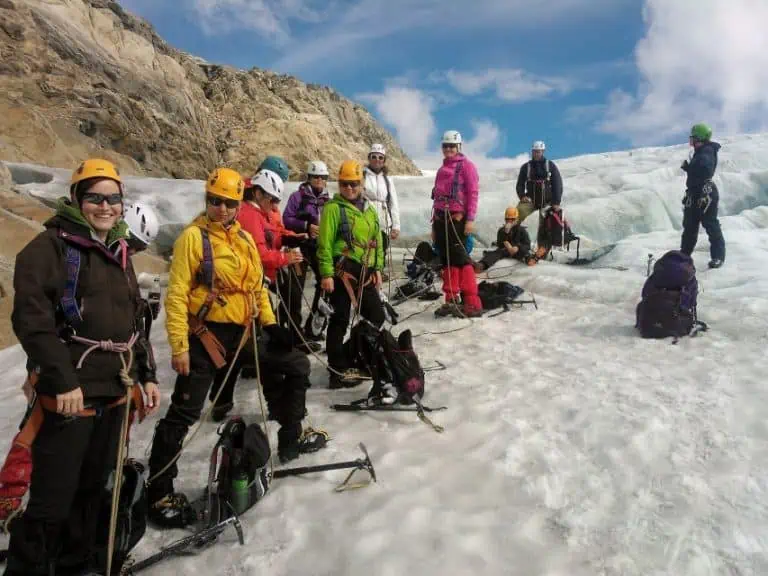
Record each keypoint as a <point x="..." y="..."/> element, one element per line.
<point x="684" y="165"/>
<point x="687" y="200"/>
<point x="280" y="338"/>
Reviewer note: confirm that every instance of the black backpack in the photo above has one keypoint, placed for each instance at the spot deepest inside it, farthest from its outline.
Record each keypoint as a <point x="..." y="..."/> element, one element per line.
<point x="131" y="516"/>
<point x="237" y="476"/>
<point x="557" y="231"/>
<point x="389" y="360"/>
<point x="669" y="299"/>
<point x="497" y="294"/>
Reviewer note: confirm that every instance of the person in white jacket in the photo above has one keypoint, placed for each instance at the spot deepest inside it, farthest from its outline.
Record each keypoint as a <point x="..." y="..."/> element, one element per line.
<point x="380" y="189"/>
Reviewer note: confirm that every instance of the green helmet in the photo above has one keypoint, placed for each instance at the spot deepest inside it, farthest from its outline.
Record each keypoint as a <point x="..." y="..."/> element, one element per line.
<point x="701" y="132"/>
<point x="276" y="165"/>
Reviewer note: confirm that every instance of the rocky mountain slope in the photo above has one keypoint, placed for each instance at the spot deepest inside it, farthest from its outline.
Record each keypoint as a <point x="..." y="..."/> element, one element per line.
<point x="85" y="77"/>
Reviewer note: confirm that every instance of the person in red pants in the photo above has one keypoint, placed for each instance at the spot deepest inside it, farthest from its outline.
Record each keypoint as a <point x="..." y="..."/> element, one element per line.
<point x="454" y="206"/>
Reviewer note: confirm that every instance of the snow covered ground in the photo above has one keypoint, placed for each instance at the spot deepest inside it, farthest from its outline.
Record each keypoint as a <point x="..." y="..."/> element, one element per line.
<point x="571" y="446"/>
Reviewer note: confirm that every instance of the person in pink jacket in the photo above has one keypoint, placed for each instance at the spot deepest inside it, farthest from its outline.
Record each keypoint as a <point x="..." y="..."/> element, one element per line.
<point x="454" y="207"/>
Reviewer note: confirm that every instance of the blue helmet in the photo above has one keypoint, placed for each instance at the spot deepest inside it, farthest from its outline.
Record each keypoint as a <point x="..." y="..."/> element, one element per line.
<point x="276" y="165"/>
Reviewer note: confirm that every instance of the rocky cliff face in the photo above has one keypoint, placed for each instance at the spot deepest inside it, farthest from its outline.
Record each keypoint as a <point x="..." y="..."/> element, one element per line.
<point x="85" y="77"/>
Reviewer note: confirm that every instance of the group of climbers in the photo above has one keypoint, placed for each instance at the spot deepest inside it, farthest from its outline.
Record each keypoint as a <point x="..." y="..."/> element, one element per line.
<point x="219" y="316"/>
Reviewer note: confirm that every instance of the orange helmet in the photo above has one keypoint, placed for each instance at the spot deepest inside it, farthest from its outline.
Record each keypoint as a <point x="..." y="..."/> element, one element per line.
<point x="511" y="213"/>
<point x="226" y="183"/>
<point x="351" y="170"/>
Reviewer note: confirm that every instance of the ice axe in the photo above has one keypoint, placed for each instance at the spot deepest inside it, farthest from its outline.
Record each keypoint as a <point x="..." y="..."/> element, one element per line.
<point x="359" y="464"/>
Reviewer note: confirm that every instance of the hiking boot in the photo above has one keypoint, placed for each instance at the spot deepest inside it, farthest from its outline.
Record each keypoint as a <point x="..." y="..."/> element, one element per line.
<point x="447" y="309"/>
<point x="292" y="442"/>
<point x="541" y="252"/>
<point x="218" y="413"/>
<point x="172" y="511"/>
<point x="348" y="378"/>
<point x="387" y="395"/>
<point x="715" y="263"/>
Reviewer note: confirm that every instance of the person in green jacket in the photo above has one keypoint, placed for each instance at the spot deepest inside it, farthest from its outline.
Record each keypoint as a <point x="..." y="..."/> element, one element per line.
<point x="350" y="258"/>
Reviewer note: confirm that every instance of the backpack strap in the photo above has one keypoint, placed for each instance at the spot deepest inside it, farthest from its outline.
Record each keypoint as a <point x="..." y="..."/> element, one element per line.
<point x="206" y="275"/>
<point x="68" y="300"/>
<point x="345" y="229"/>
<point x="455" y="184"/>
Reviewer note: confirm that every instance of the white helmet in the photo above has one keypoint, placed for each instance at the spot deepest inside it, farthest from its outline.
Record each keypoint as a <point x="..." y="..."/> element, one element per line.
<point x="377" y="149"/>
<point x="539" y="145"/>
<point x="317" y="168"/>
<point x="452" y="137"/>
<point x="141" y="221"/>
<point x="270" y="182"/>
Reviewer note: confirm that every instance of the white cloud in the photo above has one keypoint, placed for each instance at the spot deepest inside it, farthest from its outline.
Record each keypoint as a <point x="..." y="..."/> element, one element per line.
<point x="510" y="84"/>
<point x="700" y="60"/>
<point x="269" y="18"/>
<point x="409" y="112"/>
<point x="376" y="22"/>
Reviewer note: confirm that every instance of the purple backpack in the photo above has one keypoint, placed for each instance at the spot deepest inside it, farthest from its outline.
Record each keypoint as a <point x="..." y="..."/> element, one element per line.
<point x="668" y="305"/>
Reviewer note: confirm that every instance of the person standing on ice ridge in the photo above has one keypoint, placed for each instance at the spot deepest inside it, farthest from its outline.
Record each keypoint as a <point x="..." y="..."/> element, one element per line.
<point x="702" y="197"/>
<point x="302" y="215"/>
<point x="539" y="185"/>
<point x="454" y="207"/>
<point x="350" y="257"/>
<point x="15" y="474"/>
<point x="380" y="189"/>
<point x="215" y="294"/>
<point x="75" y="313"/>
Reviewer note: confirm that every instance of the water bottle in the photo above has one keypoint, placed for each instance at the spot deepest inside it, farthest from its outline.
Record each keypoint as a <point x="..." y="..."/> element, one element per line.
<point x="239" y="492"/>
<point x="154" y="297"/>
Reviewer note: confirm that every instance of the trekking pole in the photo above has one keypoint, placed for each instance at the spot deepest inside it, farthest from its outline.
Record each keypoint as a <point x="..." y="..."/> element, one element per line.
<point x="359" y="464"/>
<point x="118" y="484"/>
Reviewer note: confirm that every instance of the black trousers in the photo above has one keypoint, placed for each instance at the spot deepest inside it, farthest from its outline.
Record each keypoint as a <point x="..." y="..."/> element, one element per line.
<point x="190" y="392"/>
<point x="71" y="462"/>
<point x="491" y="257"/>
<point x="309" y="250"/>
<point x="284" y="376"/>
<point x="290" y="286"/>
<point x="694" y="217"/>
<point x="451" y="244"/>
<point x="370" y="308"/>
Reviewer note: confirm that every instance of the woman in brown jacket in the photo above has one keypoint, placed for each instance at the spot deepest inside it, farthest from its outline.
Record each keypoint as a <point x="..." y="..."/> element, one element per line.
<point x="74" y="312"/>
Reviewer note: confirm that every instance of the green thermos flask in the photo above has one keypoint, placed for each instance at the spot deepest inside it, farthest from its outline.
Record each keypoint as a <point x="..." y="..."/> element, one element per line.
<point x="240" y="492"/>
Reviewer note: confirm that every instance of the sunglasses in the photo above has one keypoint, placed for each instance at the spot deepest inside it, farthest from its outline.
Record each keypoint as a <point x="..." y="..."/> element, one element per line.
<point x="313" y="176"/>
<point x="449" y="146"/>
<point x="97" y="199"/>
<point x="216" y="202"/>
<point x="348" y="184"/>
<point x="376" y="157"/>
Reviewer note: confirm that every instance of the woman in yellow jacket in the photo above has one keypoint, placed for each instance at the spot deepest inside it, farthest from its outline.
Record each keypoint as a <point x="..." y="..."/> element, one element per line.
<point x="215" y="288"/>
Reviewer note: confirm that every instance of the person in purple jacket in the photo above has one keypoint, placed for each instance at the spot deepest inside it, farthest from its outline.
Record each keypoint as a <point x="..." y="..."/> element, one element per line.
<point x="454" y="209"/>
<point x="302" y="214"/>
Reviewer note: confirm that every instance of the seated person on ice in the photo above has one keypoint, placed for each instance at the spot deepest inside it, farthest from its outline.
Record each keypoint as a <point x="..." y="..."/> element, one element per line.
<point x="215" y="297"/>
<point x="512" y="241"/>
<point x="351" y="258"/>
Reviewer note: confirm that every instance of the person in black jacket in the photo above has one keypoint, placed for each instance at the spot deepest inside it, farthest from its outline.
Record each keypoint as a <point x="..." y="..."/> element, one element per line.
<point x="75" y="311"/>
<point x="512" y="241"/>
<point x="702" y="196"/>
<point x="539" y="184"/>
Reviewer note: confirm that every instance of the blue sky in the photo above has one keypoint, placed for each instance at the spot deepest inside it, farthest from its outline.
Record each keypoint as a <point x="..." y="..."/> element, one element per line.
<point x="583" y="75"/>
